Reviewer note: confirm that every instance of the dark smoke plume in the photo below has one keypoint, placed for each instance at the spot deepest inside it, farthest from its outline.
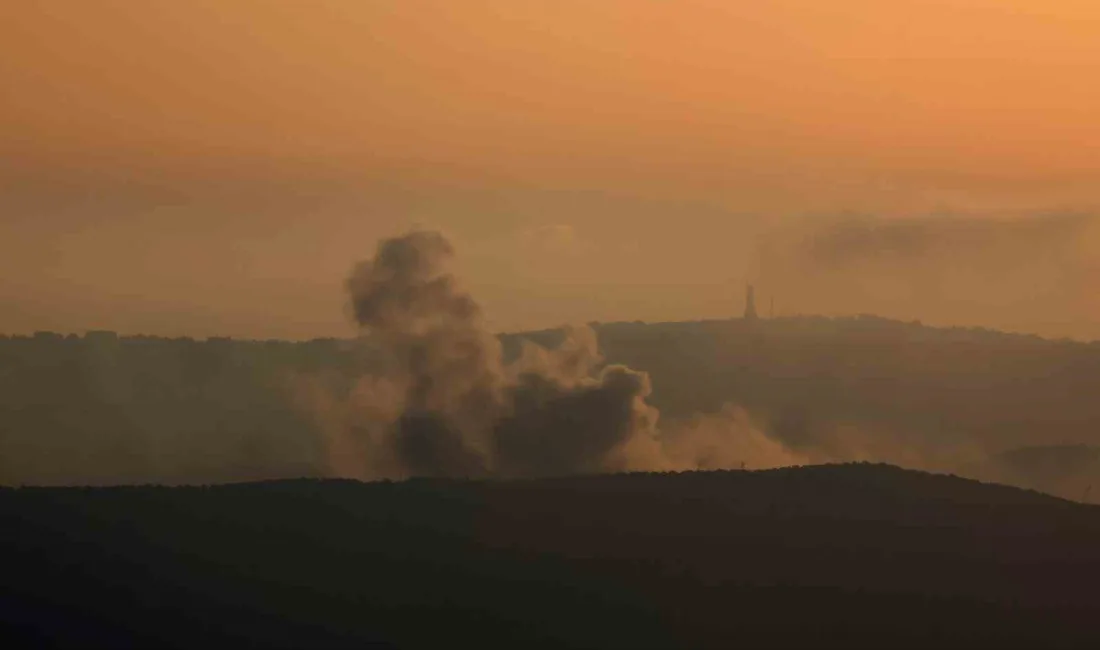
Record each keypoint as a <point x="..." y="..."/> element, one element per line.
<point x="454" y="407"/>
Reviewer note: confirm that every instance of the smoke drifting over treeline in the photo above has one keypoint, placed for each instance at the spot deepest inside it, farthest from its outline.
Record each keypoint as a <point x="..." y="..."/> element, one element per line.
<point x="428" y="390"/>
<point x="451" y="405"/>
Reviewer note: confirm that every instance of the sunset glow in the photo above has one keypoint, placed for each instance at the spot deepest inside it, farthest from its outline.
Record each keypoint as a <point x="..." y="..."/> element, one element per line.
<point x="611" y="159"/>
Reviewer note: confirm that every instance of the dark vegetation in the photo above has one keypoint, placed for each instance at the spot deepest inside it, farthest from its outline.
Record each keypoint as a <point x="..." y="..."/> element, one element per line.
<point x="826" y="556"/>
<point x="101" y="409"/>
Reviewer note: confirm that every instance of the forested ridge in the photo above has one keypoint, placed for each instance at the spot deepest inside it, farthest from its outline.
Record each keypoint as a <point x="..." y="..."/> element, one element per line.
<point x="103" y="409"/>
<point x="856" y="555"/>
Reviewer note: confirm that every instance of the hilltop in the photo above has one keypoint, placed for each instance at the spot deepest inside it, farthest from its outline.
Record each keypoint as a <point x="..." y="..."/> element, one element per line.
<point x="845" y="555"/>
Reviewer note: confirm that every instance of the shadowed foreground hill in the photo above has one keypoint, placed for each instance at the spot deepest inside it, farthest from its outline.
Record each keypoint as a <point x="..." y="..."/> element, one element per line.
<point x="825" y="556"/>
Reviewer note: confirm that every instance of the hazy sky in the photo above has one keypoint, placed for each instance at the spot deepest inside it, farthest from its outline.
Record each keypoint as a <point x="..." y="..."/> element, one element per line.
<point x="217" y="166"/>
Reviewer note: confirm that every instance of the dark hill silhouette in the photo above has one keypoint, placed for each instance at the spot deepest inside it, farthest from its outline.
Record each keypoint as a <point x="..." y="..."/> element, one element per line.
<point x="825" y="556"/>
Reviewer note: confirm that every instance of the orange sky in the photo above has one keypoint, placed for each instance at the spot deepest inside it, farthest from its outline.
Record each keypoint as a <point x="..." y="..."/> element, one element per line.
<point x="216" y="166"/>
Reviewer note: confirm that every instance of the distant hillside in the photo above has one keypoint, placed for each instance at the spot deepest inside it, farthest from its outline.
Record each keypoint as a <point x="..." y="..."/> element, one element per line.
<point x="826" y="556"/>
<point x="1004" y="389"/>
<point x="105" y="409"/>
<point x="868" y="388"/>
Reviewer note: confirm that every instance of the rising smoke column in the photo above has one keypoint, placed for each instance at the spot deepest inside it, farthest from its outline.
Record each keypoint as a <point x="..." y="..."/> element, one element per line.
<point x="462" y="410"/>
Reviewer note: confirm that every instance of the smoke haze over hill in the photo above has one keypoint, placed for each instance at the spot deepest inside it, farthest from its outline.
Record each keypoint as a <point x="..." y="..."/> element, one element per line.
<point x="1030" y="273"/>
<point x="451" y="404"/>
<point x="428" y="389"/>
<point x="454" y="407"/>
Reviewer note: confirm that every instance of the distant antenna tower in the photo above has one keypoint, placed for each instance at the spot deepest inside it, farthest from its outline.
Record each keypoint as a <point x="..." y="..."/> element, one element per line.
<point x="1085" y="497"/>
<point x="771" y="308"/>
<point x="750" y="304"/>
